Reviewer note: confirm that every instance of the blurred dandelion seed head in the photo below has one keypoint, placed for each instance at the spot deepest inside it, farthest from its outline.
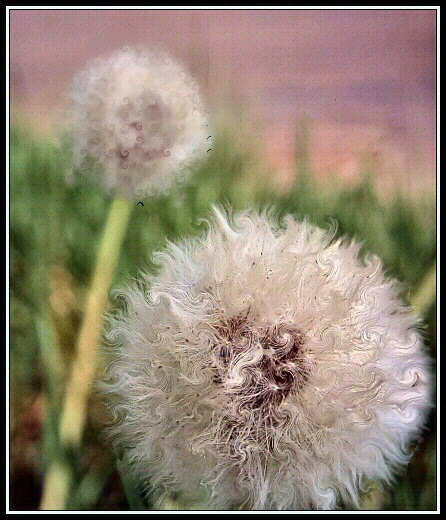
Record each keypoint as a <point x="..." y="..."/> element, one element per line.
<point x="266" y="367"/>
<point x="136" y="122"/>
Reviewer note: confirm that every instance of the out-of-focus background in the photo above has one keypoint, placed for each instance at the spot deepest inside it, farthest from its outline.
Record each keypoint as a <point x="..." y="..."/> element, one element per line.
<point x="363" y="80"/>
<point x="322" y="113"/>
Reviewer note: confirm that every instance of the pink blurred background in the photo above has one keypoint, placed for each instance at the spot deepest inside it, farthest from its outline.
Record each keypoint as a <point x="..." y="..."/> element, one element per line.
<point x="362" y="81"/>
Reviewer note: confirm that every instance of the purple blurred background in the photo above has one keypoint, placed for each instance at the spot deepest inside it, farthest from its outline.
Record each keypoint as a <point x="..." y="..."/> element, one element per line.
<point x="364" y="81"/>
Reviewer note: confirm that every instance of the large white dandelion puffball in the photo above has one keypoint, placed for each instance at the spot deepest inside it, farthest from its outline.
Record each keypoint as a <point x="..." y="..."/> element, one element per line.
<point x="137" y="122"/>
<point x="266" y="368"/>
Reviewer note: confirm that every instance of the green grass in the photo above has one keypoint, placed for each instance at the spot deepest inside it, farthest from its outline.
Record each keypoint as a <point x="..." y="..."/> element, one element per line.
<point x="52" y="224"/>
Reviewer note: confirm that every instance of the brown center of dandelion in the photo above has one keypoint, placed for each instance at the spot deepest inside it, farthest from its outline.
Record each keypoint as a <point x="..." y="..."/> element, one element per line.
<point x="148" y="133"/>
<point x="259" y="366"/>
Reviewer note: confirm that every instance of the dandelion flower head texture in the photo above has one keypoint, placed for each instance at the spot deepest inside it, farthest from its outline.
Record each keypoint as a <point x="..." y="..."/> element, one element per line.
<point x="137" y="122"/>
<point x="265" y="367"/>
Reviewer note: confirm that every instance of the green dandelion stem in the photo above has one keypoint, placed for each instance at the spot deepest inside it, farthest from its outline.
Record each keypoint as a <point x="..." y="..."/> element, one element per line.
<point x="424" y="296"/>
<point x="74" y="410"/>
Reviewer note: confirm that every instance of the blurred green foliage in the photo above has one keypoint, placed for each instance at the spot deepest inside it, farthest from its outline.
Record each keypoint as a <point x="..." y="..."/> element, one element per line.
<point x="53" y="224"/>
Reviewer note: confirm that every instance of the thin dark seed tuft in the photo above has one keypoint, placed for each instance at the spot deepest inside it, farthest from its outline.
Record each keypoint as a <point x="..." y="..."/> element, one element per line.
<point x="281" y="370"/>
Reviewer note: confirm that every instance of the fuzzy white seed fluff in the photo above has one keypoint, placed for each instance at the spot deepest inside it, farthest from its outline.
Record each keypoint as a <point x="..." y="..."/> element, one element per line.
<point x="136" y="122"/>
<point x="265" y="367"/>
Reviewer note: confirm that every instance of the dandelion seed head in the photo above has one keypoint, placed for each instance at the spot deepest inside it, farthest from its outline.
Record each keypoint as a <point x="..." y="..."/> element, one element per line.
<point x="265" y="367"/>
<point x="137" y="122"/>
